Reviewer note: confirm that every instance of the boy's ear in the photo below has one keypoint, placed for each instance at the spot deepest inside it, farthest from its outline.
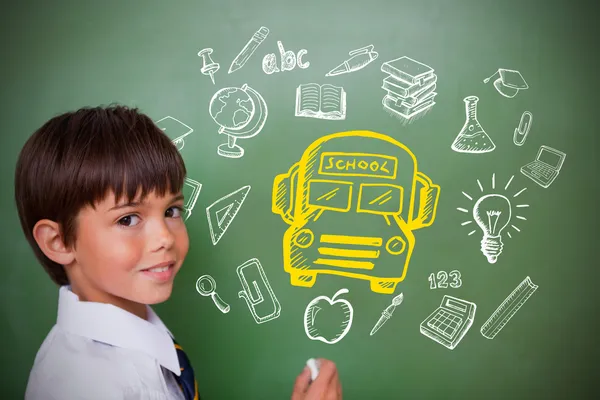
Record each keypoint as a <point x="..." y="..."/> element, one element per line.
<point x="48" y="237"/>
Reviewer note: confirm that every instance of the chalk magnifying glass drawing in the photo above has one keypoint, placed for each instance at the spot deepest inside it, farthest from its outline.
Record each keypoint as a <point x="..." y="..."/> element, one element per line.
<point x="206" y="286"/>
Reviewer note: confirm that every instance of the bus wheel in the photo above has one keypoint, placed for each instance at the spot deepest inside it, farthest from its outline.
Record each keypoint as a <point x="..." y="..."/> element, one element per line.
<point x="383" y="286"/>
<point x="303" y="279"/>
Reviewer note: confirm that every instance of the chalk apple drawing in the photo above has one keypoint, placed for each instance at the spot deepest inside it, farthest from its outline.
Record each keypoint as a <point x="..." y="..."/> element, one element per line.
<point x="320" y="303"/>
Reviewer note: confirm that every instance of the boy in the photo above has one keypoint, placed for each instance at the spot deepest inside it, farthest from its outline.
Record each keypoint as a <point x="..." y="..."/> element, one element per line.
<point x="99" y="198"/>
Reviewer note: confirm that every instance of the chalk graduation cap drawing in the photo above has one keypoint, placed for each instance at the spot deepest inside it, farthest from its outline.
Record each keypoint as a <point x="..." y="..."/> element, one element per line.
<point x="175" y="129"/>
<point x="508" y="83"/>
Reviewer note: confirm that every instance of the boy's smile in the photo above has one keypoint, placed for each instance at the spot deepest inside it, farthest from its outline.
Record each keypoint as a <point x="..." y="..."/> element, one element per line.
<point x="127" y="254"/>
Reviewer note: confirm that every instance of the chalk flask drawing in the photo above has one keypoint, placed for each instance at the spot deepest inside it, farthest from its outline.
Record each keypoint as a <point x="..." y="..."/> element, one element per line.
<point x="472" y="137"/>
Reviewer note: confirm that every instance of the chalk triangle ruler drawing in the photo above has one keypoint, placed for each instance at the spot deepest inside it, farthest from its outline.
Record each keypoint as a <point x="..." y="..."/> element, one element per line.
<point x="221" y="213"/>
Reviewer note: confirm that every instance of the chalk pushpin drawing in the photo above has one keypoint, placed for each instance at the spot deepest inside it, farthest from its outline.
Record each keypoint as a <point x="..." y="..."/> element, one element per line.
<point x="472" y="138"/>
<point x="257" y="292"/>
<point x="508" y="83"/>
<point x="353" y="203"/>
<point x="321" y="101"/>
<point x="410" y="88"/>
<point x="387" y="313"/>
<point x="241" y="113"/>
<point x="220" y="214"/>
<point x="191" y="190"/>
<point x="546" y="166"/>
<point x="328" y="319"/>
<point x="359" y="59"/>
<point x="493" y="213"/>
<point x="450" y="322"/>
<point x="175" y="130"/>
<point x="206" y="286"/>
<point x="209" y="67"/>
<point x="508" y="308"/>
<point x="521" y="131"/>
<point x="244" y="55"/>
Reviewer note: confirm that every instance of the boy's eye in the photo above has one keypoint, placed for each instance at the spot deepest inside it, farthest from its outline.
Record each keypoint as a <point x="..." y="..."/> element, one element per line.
<point x="174" y="212"/>
<point x="129" y="220"/>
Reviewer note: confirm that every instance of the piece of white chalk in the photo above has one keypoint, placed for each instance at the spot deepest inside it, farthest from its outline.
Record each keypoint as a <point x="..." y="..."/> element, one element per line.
<point x="313" y="365"/>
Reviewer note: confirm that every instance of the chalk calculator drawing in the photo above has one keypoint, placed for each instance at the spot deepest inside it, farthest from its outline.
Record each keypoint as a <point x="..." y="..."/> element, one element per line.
<point x="450" y="322"/>
<point x="493" y="213"/>
<point x="353" y="203"/>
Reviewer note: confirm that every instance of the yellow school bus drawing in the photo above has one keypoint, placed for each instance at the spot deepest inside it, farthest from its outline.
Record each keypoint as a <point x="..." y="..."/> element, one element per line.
<point x="352" y="203"/>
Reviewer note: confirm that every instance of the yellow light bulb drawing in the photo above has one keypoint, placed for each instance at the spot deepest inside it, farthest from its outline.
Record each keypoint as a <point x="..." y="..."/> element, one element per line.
<point x="492" y="213"/>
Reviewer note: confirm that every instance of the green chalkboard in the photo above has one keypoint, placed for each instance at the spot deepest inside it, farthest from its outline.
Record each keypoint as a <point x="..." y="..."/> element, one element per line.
<point x="366" y="194"/>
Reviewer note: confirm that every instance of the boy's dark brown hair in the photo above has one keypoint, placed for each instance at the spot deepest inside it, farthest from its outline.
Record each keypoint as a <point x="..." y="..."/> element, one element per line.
<point x="76" y="159"/>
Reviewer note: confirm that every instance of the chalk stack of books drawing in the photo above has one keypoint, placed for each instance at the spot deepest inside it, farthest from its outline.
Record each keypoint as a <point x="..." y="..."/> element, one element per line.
<point x="410" y="87"/>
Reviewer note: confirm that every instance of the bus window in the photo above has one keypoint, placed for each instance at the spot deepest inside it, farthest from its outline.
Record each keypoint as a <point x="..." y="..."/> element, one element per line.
<point x="330" y="195"/>
<point x="380" y="198"/>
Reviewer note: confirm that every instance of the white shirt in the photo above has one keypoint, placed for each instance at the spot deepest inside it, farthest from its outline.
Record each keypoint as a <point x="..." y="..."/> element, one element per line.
<point x="100" y="351"/>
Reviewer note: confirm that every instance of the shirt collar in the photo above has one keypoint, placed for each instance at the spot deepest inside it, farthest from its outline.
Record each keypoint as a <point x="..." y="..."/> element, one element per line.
<point x="112" y="325"/>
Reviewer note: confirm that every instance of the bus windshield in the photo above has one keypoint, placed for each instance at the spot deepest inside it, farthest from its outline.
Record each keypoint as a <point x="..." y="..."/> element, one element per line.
<point x="380" y="198"/>
<point x="330" y="194"/>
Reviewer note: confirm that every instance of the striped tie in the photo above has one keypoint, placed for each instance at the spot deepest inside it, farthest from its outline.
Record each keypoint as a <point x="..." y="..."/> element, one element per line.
<point x="186" y="380"/>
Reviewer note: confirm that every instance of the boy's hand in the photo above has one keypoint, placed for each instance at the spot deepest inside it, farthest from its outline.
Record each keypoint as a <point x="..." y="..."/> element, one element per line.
<point x="327" y="386"/>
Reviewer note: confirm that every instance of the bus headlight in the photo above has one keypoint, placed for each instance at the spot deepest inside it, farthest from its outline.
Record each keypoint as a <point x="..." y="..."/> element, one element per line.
<point x="395" y="245"/>
<point x="304" y="238"/>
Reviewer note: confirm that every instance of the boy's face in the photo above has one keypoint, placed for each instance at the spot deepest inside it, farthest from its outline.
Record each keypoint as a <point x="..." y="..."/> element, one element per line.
<point x="129" y="254"/>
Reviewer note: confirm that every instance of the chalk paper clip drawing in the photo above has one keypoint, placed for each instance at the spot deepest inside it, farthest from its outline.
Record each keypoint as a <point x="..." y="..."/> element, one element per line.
<point x="244" y="55"/>
<point x="450" y="322"/>
<point x="328" y="319"/>
<point x="256" y="288"/>
<point x="352" y="204"/>
<point x="508" y="308"/>
<point x="387" y="313"/>
<point x="289" y="60"/>
<point x="209" y="67"/>
<point x="472" y="138"/>
<point x="321" y="101"/>
<point x="175" y="130"/>
<point x="221" y="213"/>
<point x="410" y="88"/>
<point x="546" y="166"/>
<point x="508" y="83"/>
<point x="359" y="59"/>
<point x="521" y="131"/>
<point x="493" y="213"/>
<point x="241" y="113"/>
<point x="206" y="286"/>
<point x="191" y="190"/>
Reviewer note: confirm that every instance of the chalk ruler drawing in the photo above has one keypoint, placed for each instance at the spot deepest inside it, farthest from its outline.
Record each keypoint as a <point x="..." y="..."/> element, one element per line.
<point x="323" y="309"/>
<point x="521" y="131"/>
<point x="244" y="55"/>
<point x="449" y="323"/>
<point x="410" y="88"/>
<point x="221" y="213"/>
<point x="508" y="308"/>
<point x="209" y="67"/>
<point x="256" y="288"/>
<point x="359" y="59"/>
<point x="472" y="138"/>
<point x="241" y="113"/>
<point x="387" y="313"/>
<point x="546" y="166"/>
<point x="321" y="101"/>
<point x="327" y="231"/>
<point x="191" y="191"/>
<point x="175" y="130"/>
<point x="493" y="213"/>
<point x="206" y="286"/>
<point x="508" y="83"/>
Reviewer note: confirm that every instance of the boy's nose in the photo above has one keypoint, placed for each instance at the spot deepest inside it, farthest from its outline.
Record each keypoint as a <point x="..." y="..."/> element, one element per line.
<point x="162" y="237"/>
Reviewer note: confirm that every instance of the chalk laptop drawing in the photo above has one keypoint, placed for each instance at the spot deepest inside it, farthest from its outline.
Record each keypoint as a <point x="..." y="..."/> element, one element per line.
<point x="546" y="166"/>
<point x="323" y="102"/>
<point x="450" y="322"/>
